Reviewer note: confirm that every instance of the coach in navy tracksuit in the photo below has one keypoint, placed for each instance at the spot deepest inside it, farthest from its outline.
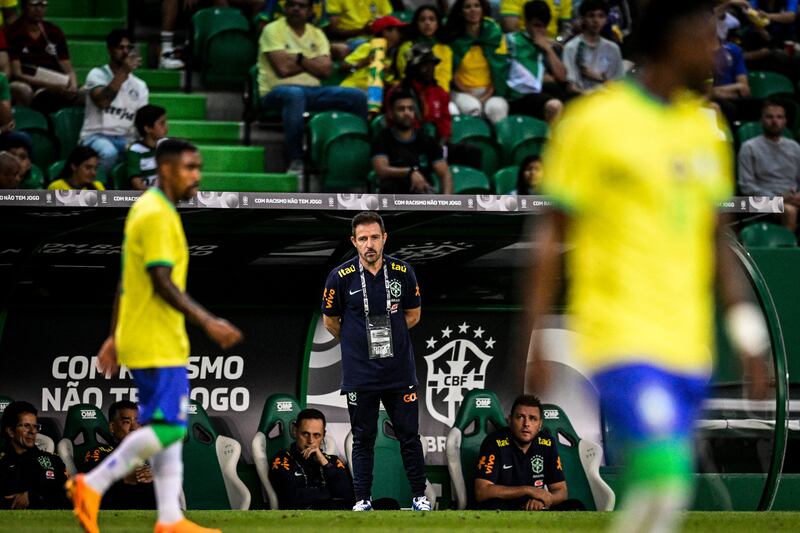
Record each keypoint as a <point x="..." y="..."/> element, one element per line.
<point x="369" y="304"/>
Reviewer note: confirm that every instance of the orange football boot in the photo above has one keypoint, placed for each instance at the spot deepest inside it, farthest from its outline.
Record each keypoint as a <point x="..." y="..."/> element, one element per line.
<point x="85" y="503"/>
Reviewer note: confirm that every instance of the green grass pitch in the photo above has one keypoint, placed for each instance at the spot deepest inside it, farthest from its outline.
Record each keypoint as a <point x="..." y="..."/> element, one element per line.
<point x="394" y="521"/>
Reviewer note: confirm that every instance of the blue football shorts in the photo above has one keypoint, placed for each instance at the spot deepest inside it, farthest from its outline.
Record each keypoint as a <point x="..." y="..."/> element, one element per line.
<point x="163" y="395"/>
<point x="644" y="403"/>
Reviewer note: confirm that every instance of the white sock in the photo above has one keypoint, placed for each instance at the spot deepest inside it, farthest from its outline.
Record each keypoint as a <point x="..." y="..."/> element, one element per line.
<point x="137" y="447"/>
<point x="167" y="469"/>
<point x="166" y="41"/>
<point x="652" y="509"/>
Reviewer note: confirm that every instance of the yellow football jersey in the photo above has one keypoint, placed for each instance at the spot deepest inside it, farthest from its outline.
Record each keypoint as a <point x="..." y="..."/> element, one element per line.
<point x="641" y="180"/>
<point x="150" y="333"/>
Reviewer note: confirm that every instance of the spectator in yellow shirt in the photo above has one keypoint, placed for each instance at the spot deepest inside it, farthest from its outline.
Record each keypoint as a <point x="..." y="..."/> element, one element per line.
<point x="79" y="172"/>
<point x="351" y="20"/>
<point x="425" y="27"/>
<point x="357" y="63"/>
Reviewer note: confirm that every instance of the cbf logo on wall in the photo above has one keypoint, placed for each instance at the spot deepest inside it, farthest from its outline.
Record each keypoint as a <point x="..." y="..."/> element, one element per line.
<point x="457" y="362"/>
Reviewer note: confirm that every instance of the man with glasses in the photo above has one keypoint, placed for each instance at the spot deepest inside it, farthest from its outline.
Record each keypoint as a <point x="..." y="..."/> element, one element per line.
<point x="29" y="477"/>
<point x="41" y="70"/>
<point x="114" y="95"/>
<point x="293" y="56"/>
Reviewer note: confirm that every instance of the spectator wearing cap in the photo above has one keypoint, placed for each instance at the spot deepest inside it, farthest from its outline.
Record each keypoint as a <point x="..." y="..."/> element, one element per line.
<point x="357" y="63"/>
<point x="431" y="101"/>
<point x="536" y="71"/>
<point x="293" y="56"/>
<point x="352" y="20"/>
<point x="425" y="28"/>
<point x="480" y="66"/>
<point x="114" y="95"/>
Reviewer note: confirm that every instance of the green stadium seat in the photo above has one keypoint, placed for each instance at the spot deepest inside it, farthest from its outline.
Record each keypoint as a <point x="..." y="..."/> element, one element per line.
<point x="87" y="27"/>
<point x="339" y="149"/>
<point x="479" y="415"/>
<point x="206" y="132"/>
<point x="87" y="8"/>
<point x="181" y="106"/>
<point x="119" y="177"/>
<point x="764" y="84"/>
<point x="223" y="44"/>
<point x="67" y="124"/>
<point x="69" y="8"/>
<point x="520" y="136"/>
<point x="750" y="130"/>
<point x="88" y="53"/>
<point x="4" y="401"/>
<point x="476" y="131"/>
<point x="248" y="182"/>
<point x="45" y="145"/>
<point x="156" y="79"/>
<point x="85" y="428"/>
<point x="766" y="235"/>
<point x="210" y="480"/>
<point x="467" y="180"/>
<point x="274" y="434"/>
<point x="504" y="180"/>
<point x="34" y="181"/>
<point x="580" y="460"/>
<point x="218" y="158"/>
<point x="388" y="474"/>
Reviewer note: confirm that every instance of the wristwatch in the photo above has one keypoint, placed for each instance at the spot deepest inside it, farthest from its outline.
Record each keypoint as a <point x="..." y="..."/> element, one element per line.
<point x="413" y="169"/>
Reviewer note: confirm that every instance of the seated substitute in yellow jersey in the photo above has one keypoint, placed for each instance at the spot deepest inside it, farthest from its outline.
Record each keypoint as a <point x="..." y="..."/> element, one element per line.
<point x="560" y="12"/>
<point x="63" y="185"/>
<point x="641" y="180"/>
<point x="150" y="332"/>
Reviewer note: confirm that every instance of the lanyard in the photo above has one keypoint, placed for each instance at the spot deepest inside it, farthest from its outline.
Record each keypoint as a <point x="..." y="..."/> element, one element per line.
<point x="364" y="288"/>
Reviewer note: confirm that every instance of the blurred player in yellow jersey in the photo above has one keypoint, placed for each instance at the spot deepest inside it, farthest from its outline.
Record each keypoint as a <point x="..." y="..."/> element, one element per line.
<point x="148" y="333"/>
<point x="637" y="171"/>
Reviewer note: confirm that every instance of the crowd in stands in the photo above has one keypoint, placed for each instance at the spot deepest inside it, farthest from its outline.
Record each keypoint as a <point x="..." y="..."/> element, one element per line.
<point x="494" y="61"/>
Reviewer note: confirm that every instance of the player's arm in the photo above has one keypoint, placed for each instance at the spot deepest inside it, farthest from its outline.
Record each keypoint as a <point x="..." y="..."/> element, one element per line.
<point x="218" y="329"/>
<point x="545" y="279"/>
<point x="107" y="355"/>
<point x="557" y="493"/>
<point x="744" y="321"/>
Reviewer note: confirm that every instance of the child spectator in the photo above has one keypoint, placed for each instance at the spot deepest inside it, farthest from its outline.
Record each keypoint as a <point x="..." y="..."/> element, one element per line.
<point x="359" y="60"/>
<point x="151" y="123"/>
<point x="529" y="176"/>
<point x="10" y="171"/>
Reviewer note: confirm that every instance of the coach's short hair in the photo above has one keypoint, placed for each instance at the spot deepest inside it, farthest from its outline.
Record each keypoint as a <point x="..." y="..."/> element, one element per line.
<point x="367" y="217"/>
<point x="172" y="147"/>
<point x="660" y="18"/>
<point x="310" y="414"/>
<point x="527" y="400"/>
<point x="12" y="413"/>
<point x="116" y="407"/>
